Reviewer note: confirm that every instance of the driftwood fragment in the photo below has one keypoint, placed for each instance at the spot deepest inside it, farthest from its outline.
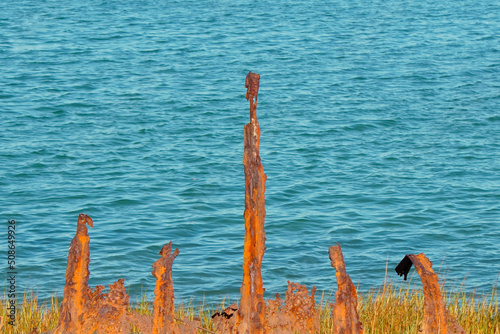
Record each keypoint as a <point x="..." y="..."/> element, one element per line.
<point x="163" y="306"/>
<point x="250" y="316"/>
<point x="76" y="290"/>
<point x="437" y="320"/>
<point x="344" y="310"/>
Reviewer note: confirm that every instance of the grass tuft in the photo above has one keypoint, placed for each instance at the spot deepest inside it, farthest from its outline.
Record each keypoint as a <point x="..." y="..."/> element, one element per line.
<point x="30" y="315"/>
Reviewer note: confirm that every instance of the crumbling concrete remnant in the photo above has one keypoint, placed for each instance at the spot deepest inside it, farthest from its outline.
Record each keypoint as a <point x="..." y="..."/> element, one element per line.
<point x="163" y="306"/>
<point x="250" y="316"/>
<point x="76" y="289"/>
<point x="437" y="320"/>
<point x="344" y="310"/>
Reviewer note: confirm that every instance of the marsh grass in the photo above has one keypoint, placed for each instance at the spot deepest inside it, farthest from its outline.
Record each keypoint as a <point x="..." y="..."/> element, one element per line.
<point x="399" y="308"/>
<point x="393" y="308"/>
<point x="31" y="314"/>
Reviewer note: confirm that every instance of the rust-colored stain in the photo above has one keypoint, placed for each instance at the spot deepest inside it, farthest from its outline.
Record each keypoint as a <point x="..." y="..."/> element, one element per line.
<point x="163" y="306"/>
<point x="437" y="320"/>
<point x="250" y="317"/>
<point x="344" y="310"/>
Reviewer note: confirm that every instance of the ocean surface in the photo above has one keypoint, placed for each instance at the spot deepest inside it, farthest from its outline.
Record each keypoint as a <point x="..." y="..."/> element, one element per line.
<point x="380" y="127"/>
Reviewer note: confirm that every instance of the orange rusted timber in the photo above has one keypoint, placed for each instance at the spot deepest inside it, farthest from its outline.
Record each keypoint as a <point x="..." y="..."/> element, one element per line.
<point x="344" y="311"/>
<point x="437" y="320"/>
<point x="76" y="290"/>
<point x="163" y="306"/>
<point x="250" y="316"/>
<point x="83" y="310"/>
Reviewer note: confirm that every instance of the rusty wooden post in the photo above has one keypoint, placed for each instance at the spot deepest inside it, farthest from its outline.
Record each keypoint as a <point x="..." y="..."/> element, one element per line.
<point x="250" y="317"/>
<point x="437" y="320"/>
<point x="76" y="290"/>
<point x="163" y="306"/>
<point x="344" y="311"/>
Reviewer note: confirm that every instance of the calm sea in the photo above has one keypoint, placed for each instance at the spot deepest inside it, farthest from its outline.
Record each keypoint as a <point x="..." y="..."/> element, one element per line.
<point x="380" y="131"/>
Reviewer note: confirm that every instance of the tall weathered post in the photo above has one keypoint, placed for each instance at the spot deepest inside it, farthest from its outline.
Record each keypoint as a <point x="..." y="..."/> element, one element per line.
<point x="163" y="306"/>
<point x="436" y="317"/>
<point x="76" y="290"/>
<point x="344" y="311"/>
<point x="250" y="317"/>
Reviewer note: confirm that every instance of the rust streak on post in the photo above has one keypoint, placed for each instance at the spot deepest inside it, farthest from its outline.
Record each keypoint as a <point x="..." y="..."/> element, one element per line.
<point x="250" y="317"/>
<point x="344" y="311"/>
<point x="76" y="290"/>
<point x="436" y="317"/>
<point x="163" y="306"/>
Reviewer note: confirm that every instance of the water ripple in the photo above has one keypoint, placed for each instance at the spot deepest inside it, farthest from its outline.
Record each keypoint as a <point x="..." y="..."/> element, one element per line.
<point x="379" y="131"/>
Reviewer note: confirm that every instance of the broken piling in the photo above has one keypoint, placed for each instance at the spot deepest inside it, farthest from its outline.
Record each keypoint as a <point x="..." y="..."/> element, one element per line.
<point x="436" y="317"/>
<point x="163" y="306"/>
<point x="250" y="316"/>
<point x="86" y="311"/>
<point x="76" y="289"/>
<point x="344" y="311"/>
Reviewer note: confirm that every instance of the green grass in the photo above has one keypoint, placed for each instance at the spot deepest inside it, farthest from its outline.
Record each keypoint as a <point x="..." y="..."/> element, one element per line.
<point x="30" y="314"/>
<point x="393" y="308"/>
<point x="399" y="309"/>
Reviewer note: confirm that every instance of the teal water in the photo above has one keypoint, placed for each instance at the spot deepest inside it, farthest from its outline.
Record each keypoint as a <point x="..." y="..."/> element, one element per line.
<point x="380" y="129"/>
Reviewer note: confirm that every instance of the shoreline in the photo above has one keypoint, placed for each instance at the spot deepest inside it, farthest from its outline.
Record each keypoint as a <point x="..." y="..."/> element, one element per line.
<point x="401" y="303"/>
